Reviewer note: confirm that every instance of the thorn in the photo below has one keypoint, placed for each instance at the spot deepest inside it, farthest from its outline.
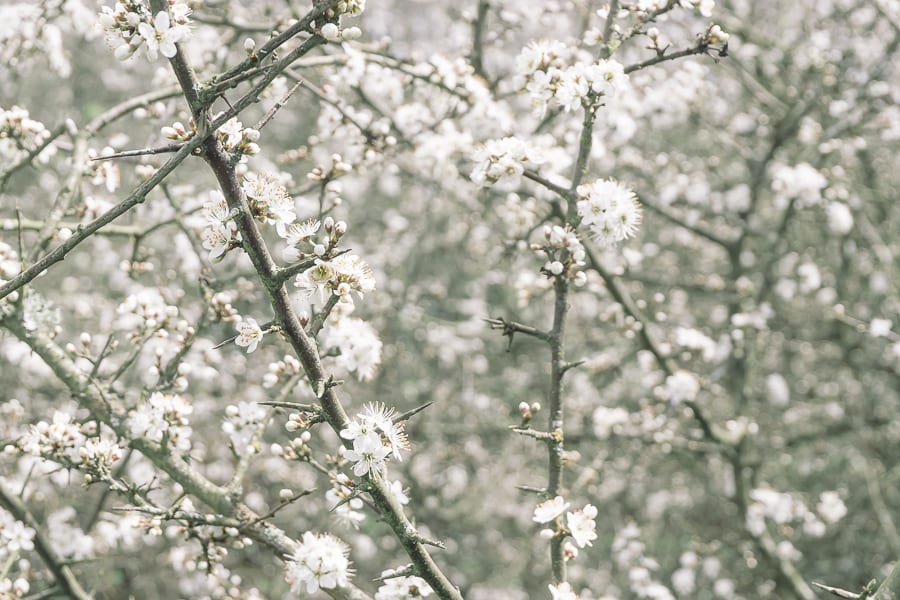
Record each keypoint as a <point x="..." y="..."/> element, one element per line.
<point x="837" y="591"/>
<point x="532" y="489"/>
<point x="435" y="543"/>
<point x="412" y="412"/>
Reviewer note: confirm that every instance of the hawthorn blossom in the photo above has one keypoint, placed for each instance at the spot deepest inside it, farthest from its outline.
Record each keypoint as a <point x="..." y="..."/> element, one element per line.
<point x="162" y="35"/>
<point x="368" y="455"/>
<point x="342" y="275"/>
<point x="250" y="334"/>
<point x="606" y="77"/>
<point x="358" y="346"/>
<point x="163" y="416"/>
<point x="705" y="7"/>
<point x="59" y="440"/>
<point x="681" y="386"/>
<point x="396" y="489"/>
<point x="610" y="210"/>
<point x="15" y="536"/>
<point x="401" y="588"/>
<point x="563" y="591"/>
<point x="377" y="418"/>
<point x="99" y="455"/>
<point x="880" y="327"/>
<point x="297" y="234"/>
<point x="217" y="238"/>
<point x="840" y="217"/>
<point x="269" y="201"/>
<point x="19" y="134"/>
<point x="581" y="525"/>
<point x="237" y="139"/>
<point x="549" y="510"/>
<point x="831" y="507"/>
<point x="130" y="27"/>
<point x="802" y="182"/>
<point x="503" y="161"/>
<point x="319" y="562"/>
<point x="242" y="421"/>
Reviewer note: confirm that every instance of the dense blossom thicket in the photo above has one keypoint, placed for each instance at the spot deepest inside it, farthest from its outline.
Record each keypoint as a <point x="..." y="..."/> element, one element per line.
<point x="492" y="299"/>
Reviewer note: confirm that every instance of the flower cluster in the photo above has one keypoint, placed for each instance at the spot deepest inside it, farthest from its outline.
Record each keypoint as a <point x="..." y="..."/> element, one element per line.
<point x="340" y="276"/>
<point x="12" y="590"/>
<point x="503" y="161"/>
<point x="783" y="508"/>
<point x="357" y="343"/>
<point x="145" y="310"/>
<point x="103" y="172"/>
<point x="163" y="417"/>
<point x="220" y="231"/>
<point x="319" y="562"/>
<point x="681" y="386"/>
<point x="98" y="456"/>
<point x="580" y="524"/>
<point x="402" y="587"/>
<point x="19" y="134"/>
<point x="375" y="437"/>
<point x="237" y="139"/>
<point x="541" y="71"/>
<point x="802" y="182"/>
<point x="131" y="28"/>
<point x="300" y="235"/>
<point x="565" y="253"/>
<point x="14" y="536"/>
<point x="233" y="136"/>
<point x="60" y="440"/>
<point x="242" y="421"/>
<point x="628" y="550"/>
<point x="610" y="210"/>
<point x="269" y="201"/>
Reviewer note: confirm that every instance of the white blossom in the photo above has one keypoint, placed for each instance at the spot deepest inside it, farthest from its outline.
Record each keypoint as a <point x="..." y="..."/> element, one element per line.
<point x="582" y="526"/>
<point x="250" y="334"/>
<point x="550" y="509"/>
<point x="610" y="210"/>
<point x="319" y="562"/>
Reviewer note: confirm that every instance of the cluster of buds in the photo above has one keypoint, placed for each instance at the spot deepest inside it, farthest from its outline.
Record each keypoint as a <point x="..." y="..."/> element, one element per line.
<point x="102" y="172"/>
<point x="565" y="254"/>
<point x="338" y="168"/>
<point x="333" y="33"/>
<point x="302" y="420"/>
<point x="233" y="136"/>
<point x="15" y="124"/>
<point x="83" y="348"/>
<point x="528" y="411"/>
<point x="298" y="449"/>
<point x="282" y="371"/>
<point x="220" y="304"/>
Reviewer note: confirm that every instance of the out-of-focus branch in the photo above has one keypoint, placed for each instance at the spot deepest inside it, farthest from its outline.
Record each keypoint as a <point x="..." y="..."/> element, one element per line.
<point x="65" y="579"/>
